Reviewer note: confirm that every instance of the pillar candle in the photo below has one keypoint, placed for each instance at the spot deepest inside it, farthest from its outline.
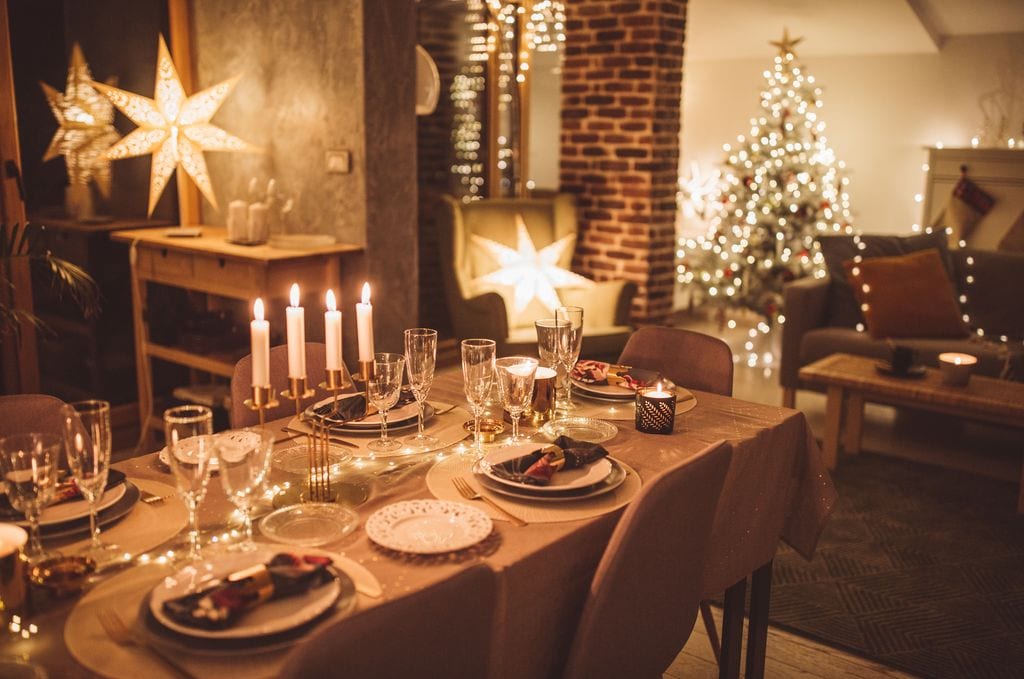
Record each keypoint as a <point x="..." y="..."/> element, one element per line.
<point x="296" y="330"/>
<point x="238" y="220"/>
<point x="332" y="333"/>
<point x="256" y="226"/>
<point x="259" y="329"/>
<point x="364" y="325"/>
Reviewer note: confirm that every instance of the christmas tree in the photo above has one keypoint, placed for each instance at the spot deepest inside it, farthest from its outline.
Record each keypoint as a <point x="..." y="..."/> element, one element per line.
<point x="781" y="189"/>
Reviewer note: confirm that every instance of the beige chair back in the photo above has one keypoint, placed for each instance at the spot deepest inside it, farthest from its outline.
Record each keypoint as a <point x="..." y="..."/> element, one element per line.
<point x="690" y="359"/>
<point x="25" y="413"/>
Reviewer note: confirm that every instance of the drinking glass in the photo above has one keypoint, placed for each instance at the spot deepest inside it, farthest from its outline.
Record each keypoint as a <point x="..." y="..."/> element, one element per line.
<point x="554" y="339"/>
<point x="477" y="378"/>
<point x="383" y="389"/>
<point x="243" y="459"/>
<point x="87" y="442"/>
<point x="515" y="382"/>
<point x="189" y="432"/>
<point x="420" y="357"/>
<point x="574" y="316"/>
<point x="29" y="466"/>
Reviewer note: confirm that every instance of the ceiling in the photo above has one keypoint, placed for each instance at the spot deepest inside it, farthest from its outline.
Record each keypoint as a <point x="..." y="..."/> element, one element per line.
<point x="740" y="29"/>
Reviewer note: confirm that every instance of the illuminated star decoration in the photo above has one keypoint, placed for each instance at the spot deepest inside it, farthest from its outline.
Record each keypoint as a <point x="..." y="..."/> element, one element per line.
<point x="787" y="44"/>
<point x="533" y="274"/>
<point x="174" y="128"/>
<point x="696" y="190"/>
<point x="85" y="126"/>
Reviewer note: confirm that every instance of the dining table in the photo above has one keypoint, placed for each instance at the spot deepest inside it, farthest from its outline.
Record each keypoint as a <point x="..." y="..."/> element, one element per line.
<point x="777" y="488"/>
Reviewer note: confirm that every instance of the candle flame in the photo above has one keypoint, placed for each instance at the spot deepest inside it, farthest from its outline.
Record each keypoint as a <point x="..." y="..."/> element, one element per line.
<point x="958" y="360"/>
<point x="366" y="293"/>
<point x="294" y="294"/>
<point x="659" y="387"/>
<point x="257" y="309"/>
<point x="332" y="304"/>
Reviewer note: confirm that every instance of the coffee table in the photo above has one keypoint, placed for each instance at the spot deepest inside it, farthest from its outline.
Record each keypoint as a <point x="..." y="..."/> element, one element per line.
<point x="851" y="381"/>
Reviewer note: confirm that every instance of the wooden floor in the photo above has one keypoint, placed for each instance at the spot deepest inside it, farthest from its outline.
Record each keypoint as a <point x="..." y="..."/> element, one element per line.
<point x="788" y="655"/>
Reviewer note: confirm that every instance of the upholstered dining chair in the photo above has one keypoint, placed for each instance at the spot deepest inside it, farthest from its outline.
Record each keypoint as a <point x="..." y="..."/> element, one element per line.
<point x="441" y="631"/>
<point x="690" y="359"/>
<point x="482" y="309"/>
<point x="24" y="413"/>
<point x="241" y="383"/>
<point x="643" y="599"/>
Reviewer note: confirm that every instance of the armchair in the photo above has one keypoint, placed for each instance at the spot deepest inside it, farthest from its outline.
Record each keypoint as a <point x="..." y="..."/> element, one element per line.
<point x="479" y="310"/>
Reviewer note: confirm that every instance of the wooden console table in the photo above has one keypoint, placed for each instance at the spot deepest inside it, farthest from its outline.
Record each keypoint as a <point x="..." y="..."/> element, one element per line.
<point x="209" y="264"/>
<point x="852" y="380"/>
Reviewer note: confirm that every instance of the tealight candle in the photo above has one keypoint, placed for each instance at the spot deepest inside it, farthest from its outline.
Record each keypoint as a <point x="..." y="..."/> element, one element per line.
<point x="956" y="368"/>
<point x="12" y="567"/>
<point x="655" y="409"/>
<point x="332" y="332"/>
<point x="296" y="332"/>
<point x="259" y="331"/>
<point x="364" y="326"/>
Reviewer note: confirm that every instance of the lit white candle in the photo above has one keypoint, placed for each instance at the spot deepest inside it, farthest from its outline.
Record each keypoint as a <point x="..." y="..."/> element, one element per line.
<point x="296" y="330"/>
<point x="332" y="332"/>
<point x="956" y="368"/>
<point x="259" y="330"/>
<point x="658" y="392"/>
<point x="364" y="325"/>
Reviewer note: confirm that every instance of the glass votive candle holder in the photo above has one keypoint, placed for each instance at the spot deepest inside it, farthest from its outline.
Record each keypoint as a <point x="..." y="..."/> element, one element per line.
<point x="956" y="368"/>
<point x="656" y="409"/>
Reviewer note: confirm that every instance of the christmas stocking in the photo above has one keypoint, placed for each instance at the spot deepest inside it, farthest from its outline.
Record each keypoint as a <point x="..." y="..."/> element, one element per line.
<point x="966" y="205"/>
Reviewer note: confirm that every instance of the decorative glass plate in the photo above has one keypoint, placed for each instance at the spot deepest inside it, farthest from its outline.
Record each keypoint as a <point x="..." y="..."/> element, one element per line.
<point x="428" y="526"/>
<point x="309" y="524"/>
<point x="580" y="428"/>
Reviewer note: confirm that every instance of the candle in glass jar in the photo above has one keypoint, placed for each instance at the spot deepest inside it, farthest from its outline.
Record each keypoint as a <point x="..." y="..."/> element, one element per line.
<point x="296" y="332"/>
<point x="364" y="325"/>
<point x="332" y="332"/>
<point x="259" y="331"/>
<point x="956" y="368"/>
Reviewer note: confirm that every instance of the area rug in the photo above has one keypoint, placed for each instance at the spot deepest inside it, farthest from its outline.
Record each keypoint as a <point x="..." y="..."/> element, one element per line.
<point x="919" y="568"/>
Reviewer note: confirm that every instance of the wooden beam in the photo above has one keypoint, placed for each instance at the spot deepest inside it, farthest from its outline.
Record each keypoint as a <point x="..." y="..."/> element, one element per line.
<point x="179" y="20"/>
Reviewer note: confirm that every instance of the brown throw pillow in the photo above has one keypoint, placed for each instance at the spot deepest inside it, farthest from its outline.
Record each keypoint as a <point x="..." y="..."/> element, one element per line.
<point x="906" y="296"/>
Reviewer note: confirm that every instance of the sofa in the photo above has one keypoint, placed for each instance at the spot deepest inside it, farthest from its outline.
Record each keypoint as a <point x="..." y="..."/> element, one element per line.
<point x="821" y="316"/>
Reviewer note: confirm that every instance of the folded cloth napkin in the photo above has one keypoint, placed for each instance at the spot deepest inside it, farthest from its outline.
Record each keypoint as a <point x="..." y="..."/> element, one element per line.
<point x="67" y="491"/>
<point x="222" y="604"/>
<point x="601" y="373"/>
<point x="537" y="468"/>
<point x="353" y="407"/>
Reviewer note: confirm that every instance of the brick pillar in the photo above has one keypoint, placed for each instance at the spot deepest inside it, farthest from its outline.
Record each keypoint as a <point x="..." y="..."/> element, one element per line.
<point x="621" y="99"/>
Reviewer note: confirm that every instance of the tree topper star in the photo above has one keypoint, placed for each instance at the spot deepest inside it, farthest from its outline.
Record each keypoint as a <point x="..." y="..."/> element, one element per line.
<point x="787" y="44"/>
<point x="533" y="274"/>
<point x="176" y="129"/>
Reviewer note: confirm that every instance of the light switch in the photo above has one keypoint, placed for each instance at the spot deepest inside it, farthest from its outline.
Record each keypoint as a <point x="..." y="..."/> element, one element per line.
<point x="339" y="161"/>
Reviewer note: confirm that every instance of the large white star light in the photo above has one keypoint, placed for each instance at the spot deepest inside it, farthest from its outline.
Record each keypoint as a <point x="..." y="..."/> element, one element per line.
<point x="531" y="273"/>
<point x="176" y="129"/>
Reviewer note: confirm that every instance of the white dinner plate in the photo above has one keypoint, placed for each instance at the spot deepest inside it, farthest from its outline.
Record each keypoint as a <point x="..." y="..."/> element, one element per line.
<point x="428" y="526"/>
<point x="613" y="481"/>
<point x="271" y="617"/>
<point x="77" y="509"/>
<point x="568" y="479"/>
<point x="398" y="418"/>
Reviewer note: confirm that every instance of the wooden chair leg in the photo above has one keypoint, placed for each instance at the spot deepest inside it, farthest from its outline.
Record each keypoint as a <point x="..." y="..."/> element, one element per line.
<point x="757" y="630"/>
<point x="732" y="631"/>
<point x="789" y="397"/>
<point x="712" y="630"/>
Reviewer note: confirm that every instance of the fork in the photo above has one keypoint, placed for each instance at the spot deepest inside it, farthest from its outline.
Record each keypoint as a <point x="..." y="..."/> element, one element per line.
<point x="466" y="491"/>
<point x="119" y="633"/>
<point x="153" y="498"/>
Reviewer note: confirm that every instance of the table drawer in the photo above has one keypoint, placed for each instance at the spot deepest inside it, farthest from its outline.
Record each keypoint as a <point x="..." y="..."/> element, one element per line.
<point x="223" y="274"/>
<point x="160" y="263"/>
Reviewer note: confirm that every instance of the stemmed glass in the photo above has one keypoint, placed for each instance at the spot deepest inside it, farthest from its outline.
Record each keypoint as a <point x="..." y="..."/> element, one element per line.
<point x="477" y="378"/>
<point x="420" y="357"/>
<point x="573" y="315"/>
<point x="87" y="441"/>
<point x="243" y="459"/>
<point x="515" y="382"/>
<point x="189" y="432"/>
<point x="383" y="389"/>
<point x="553" y="345"/>
<point x="29" y="466"/>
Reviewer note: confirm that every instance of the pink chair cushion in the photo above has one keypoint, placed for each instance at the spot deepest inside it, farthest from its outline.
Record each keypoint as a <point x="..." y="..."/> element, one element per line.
<point x="690" y="359"/>
<point x="24" y="413"/>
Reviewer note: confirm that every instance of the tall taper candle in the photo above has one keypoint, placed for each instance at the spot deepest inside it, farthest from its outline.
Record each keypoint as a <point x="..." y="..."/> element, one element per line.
<point x="259" y="329"/>
<point x="296" y="330"/>
<point x="364" y="325"/>
<point x="332" y="332"/>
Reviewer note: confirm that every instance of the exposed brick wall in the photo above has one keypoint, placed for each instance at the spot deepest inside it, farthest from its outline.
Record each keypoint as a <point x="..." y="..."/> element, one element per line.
<point x="621" y="96"/>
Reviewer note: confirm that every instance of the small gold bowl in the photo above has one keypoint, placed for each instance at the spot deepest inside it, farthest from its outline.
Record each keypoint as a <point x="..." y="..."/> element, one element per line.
<point x="489" y="428"/>
<point x="62" y="575"/>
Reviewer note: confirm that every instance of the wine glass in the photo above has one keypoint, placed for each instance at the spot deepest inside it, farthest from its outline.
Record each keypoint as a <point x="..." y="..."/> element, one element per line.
<point x="383" y="389"/>
<point x="515" y="382"/>
<point x="420" y="357"/>
<point x="243" y="459"/>
<point x="574" y="316"/>
<point x="87" y="441"/>
<point x="553" y="344"/>
<point x="29" y="466"/>
<point x="189" y="432"/>
<point x="477" y="378"/>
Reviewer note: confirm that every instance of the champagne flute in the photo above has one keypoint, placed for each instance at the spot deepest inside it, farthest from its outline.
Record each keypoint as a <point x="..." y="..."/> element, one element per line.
<point x="29" y="466"/>
<point x="243" y="459"/>
<point x="87" y="441"/>
<point x="383" y="389"/>
<point x="420" y="357"/>
<point x="515" y="382"/>
<point x="574" y="316"/>
<point x="189" y="432"/>
<point x="477" y="378"/>
<point x="553" y="343"/>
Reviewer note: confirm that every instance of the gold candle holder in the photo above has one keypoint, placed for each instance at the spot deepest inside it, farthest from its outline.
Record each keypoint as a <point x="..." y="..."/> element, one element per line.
<point x="261" y="401"/>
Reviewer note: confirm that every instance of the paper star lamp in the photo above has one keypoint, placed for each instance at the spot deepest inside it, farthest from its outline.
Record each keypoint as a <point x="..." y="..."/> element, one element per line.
<point x="532" y="273"/>
<point x="174" y="128"/>
<point x="85" y="127"/>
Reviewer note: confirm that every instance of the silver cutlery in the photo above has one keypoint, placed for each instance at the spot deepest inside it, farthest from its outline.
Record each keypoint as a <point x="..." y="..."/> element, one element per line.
<point x="152" y="498"/>
<point x="466" y="491"/>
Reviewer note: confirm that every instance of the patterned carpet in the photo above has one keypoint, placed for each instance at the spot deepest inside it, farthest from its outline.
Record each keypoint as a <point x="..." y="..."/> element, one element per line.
<point x="919" y="568"/>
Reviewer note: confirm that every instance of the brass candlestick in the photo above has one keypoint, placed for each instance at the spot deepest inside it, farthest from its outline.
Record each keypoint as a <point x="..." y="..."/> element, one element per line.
<point x="262" y="400"/>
